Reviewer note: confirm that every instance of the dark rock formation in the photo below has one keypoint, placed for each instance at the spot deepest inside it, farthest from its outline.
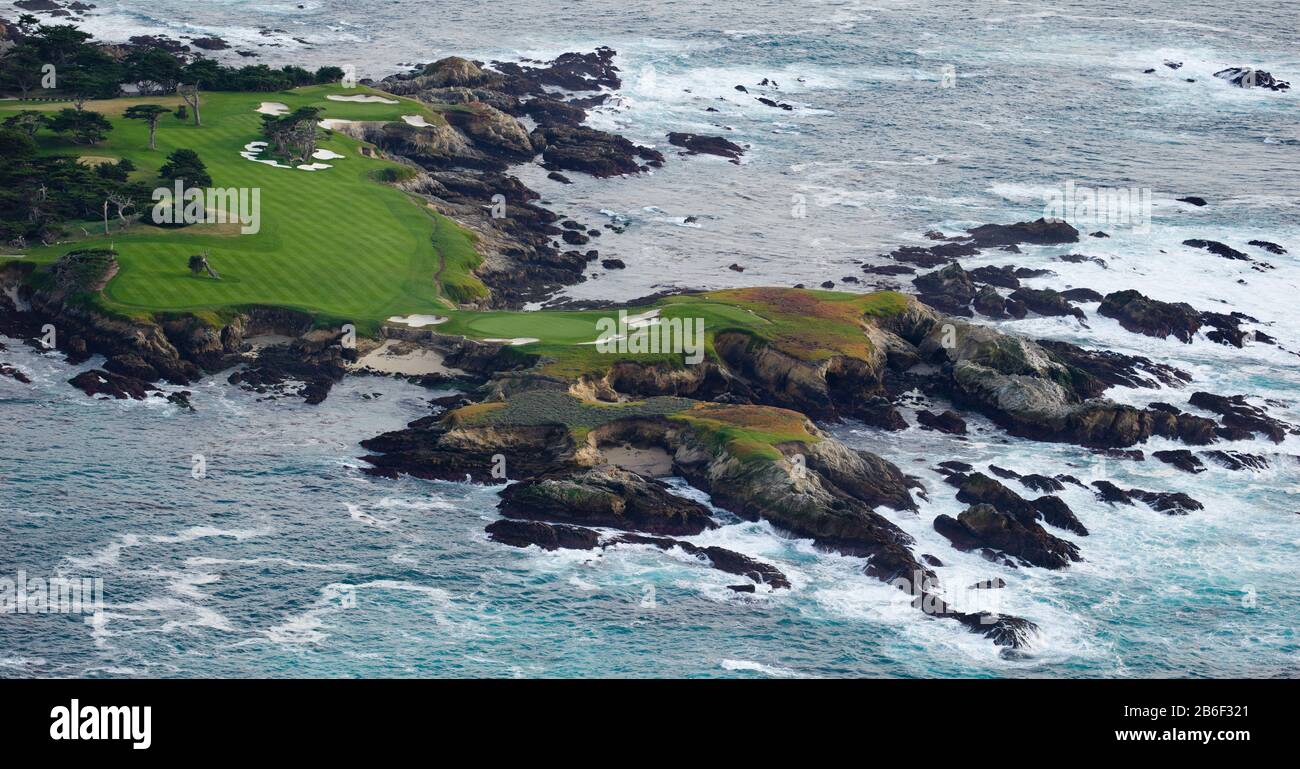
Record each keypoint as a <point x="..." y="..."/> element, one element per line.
<point x="1170" y="503"/>
<point x="1003" y="277"/>
<point x="1143" y="315"/>
<point x="106" y="383"/>
<point x="983" y="526"/>
<point x="1038" y="232"/>
<point x="949" y="290"/>
<point x="318" y="359"/>
<point x="1046" y="302"/>
<point x="1182" y="459"/>
<point x="719" y="558"/>
<point x="1268" y="246"/>
<point x="1217" y="248"/>
<point x="977" y="488"/>
<point x="605" y="496"/>
<point x="1246" y="77"/>
<point x="1236" y="413"/>
<point x="545" y="535"/>
<point x="578" y="148"/>
<point x="948" y="422"/>
<point x="1041" y="483"/>
<point x="1237" y="460"/>
<point x="710" y="145"/>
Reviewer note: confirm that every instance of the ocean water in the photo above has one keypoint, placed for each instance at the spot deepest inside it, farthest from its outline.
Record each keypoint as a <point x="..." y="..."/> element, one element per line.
<point x="286" y="561"/>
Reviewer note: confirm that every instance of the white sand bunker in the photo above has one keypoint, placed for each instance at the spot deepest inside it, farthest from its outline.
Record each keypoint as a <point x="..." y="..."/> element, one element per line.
<point x="362" y="98"/>
<point x="335" y="124"/>
<point x="273" y="108"/>
<point x="417" y="321"/>
<point x="417" y="121"/>
<point x="634" y="323"/>
<point x="397" y="357"/>
<point x="253" y="151"/>
<point x="516" y="341"/>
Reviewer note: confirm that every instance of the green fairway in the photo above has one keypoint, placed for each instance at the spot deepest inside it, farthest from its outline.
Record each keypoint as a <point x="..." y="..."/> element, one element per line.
<point x="333" y="242"/>
<point x="808" y="325"/>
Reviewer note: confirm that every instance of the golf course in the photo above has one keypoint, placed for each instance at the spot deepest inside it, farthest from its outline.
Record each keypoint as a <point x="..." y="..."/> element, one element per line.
<point x="340" y="244"/>
<point x="335" y="242"/>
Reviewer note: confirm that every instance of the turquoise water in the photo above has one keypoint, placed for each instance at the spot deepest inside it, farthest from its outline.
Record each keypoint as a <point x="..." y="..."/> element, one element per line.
<point x="286" y="561"/>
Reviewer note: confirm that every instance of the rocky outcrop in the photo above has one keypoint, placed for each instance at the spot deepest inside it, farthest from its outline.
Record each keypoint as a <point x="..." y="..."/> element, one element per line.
<point x="1217" y="248"/>
<point x="1038" y="232"/>
<point x="1046" y="301"/>
<point x="107" y="384"/>
<point x="493" y="131"/>
<point x="317" y="359"/>
<point x="605" y="496"/>
<point x="1237" y="414"/>
<point x="1182" y="459"/>
<point x="1002" y="277"/>
<point x="1246" y="77"/>
<point x="1143" y="315"/>
<point x="1268" y="246"/>
<point x="1027" y="390"/>
<point x="696" y="144"/>
<point x="1106" y="368"/>
<point x="948" y="422"/>
<point x="1170" y="503"/>
<point x="719" y="558"/>
<point x="594" y="152"/>
<point x="949" y="290"/>
<point x="977" y="488"/>
<point x="557" y="536"/>
<point x="547" y="536"/>
<point x="983" y="527"/>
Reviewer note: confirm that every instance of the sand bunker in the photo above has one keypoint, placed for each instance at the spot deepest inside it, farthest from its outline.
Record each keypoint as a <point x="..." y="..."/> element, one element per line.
<point x="651" y="462"/>
<point x="253" y="151"/>
<point x="634" y="323"/>
<point x="516" y="341"/>
<point x="336" y="124"/>
<point x="398" y="357"/>
<point x="273" y="108"/>
<point x="363" y="99"/>
<point x="417" y="121"/>
<point x="417" y="321"/>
